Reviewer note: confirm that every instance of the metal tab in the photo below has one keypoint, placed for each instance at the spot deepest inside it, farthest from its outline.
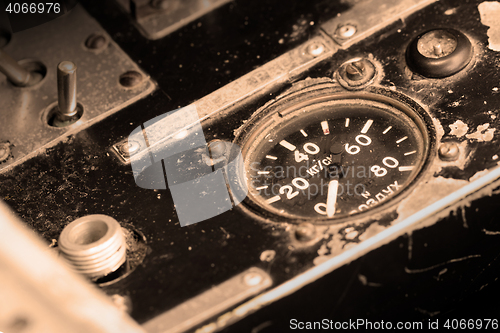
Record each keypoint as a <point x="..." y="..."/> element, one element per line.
<point x="210" y="303"/>
<point x="369" y="16"/>
<point x="255" y="84"/>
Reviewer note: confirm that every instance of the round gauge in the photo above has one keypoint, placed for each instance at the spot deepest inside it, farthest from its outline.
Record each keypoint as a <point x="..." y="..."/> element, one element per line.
<point x="327" y="156"/>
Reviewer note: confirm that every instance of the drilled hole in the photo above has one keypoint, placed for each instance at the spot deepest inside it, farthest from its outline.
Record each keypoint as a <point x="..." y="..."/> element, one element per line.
<point x="88" y="233"/>
<point x="53" y="119"/>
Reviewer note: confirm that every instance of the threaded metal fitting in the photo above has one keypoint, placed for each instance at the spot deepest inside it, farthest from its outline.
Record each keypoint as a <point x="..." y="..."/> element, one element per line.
<point x="94" y="245"/>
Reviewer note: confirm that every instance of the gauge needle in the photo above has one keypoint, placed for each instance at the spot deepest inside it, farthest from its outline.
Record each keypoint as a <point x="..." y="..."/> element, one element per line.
<point x="331" y="200"/>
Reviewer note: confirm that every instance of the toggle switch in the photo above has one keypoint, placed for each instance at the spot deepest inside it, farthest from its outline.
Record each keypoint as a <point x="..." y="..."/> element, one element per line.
<point x="66" y="89"/>
<point x="68" y="110"/>
<point x="17" y="74"/>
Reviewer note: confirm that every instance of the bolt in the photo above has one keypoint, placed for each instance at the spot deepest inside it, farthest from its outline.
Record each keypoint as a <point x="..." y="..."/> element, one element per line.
<point x="449" y="151"/>
<point x="305" y="232"/>
<point x="96" y="41"/>
<point x="355" y="70"/>
<point x="4" y="151"/>
<point x="252" y="279"/>
<point x="129" y="148"/>
<point x="315" y="49"/>
<point x="346" y="31"/>
<point x="130" y="79"/>
<point x="217" y="148"/>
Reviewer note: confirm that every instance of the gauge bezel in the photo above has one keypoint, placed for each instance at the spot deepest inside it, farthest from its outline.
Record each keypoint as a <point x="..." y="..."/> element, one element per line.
<point x="315" y="94"/>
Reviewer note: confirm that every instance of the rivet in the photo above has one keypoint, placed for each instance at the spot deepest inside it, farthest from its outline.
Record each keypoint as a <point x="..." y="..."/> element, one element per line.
<point x="346" y="31"/>
<point x="130" y="79"/>
<point x="96" y="41"/>
<point x="252" y="279"/>
<point x="305" y="232"/>
<point x="129" y="148"/>
<point x="4" y="151"/>
<point x="449" y="151"/>
<point x="315" y="49"/>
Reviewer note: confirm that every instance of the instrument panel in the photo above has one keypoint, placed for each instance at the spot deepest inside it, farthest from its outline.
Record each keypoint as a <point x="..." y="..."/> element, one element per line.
<point x="344" y="153"/>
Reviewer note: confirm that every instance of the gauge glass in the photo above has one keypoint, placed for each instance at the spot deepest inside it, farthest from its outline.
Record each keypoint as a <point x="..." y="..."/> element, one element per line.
<point x="324" y="160"/>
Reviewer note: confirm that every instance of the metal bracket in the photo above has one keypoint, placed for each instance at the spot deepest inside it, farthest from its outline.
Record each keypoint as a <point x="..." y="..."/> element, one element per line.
<point x="210" y="303"/>
<point x="23" y="111"/>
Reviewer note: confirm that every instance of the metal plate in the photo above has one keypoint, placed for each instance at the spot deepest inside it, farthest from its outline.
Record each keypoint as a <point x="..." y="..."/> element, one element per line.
<point x="22" y="110"/>
<point x="257" y="83"/>
<point x="156" y="22"/>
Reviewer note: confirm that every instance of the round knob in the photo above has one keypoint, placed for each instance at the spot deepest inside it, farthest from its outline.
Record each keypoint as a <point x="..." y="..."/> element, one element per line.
<point x="439" y="53"/>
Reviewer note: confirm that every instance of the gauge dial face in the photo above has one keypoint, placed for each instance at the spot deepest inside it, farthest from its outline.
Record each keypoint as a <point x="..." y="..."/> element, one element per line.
<point x="331" y="160"/>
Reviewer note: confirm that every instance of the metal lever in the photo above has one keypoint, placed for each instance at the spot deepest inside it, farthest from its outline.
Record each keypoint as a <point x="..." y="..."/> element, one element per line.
<point x="16" y="74"/>
<point x="66" y="89"/>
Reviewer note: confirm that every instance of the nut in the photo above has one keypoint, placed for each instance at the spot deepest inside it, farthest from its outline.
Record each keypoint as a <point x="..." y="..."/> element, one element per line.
<point x="315" y="49"/>
<point x="130" y="79"/>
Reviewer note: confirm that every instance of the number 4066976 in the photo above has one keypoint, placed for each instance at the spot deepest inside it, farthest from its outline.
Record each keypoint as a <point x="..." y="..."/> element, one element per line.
<point x="33" y="8"/>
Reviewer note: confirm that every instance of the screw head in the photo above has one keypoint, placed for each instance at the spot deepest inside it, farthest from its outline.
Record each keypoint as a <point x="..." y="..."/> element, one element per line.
<point x="123" y="303"/>
<point x="305" y="232"/>
<point x="315" y="49"/>
<point x="96" y="41"/>
<point x="346" y="31"/>
<point x="252" y="279"/>
<point x="217" y="148"/>
<point x="356" y="70"/>
<point x="356" y="73"/>
<point x="130" y="79"/>
<point x="4" y="151"/>
<point x="437" y="44"/>
<point x="129" y="148"/>
<point x="449" y="151"/>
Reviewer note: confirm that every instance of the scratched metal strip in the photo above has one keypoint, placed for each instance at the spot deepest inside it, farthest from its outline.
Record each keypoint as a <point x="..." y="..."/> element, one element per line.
<point x="370" y="16"/>
<point x="257" y="83"/>
<point x="210" y="303"/>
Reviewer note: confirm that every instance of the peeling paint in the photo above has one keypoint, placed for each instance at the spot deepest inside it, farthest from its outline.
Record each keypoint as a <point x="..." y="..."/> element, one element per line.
<point x="459" y="128"/>
<point x="482" y="133"/>
<point x="490" y="16"/>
